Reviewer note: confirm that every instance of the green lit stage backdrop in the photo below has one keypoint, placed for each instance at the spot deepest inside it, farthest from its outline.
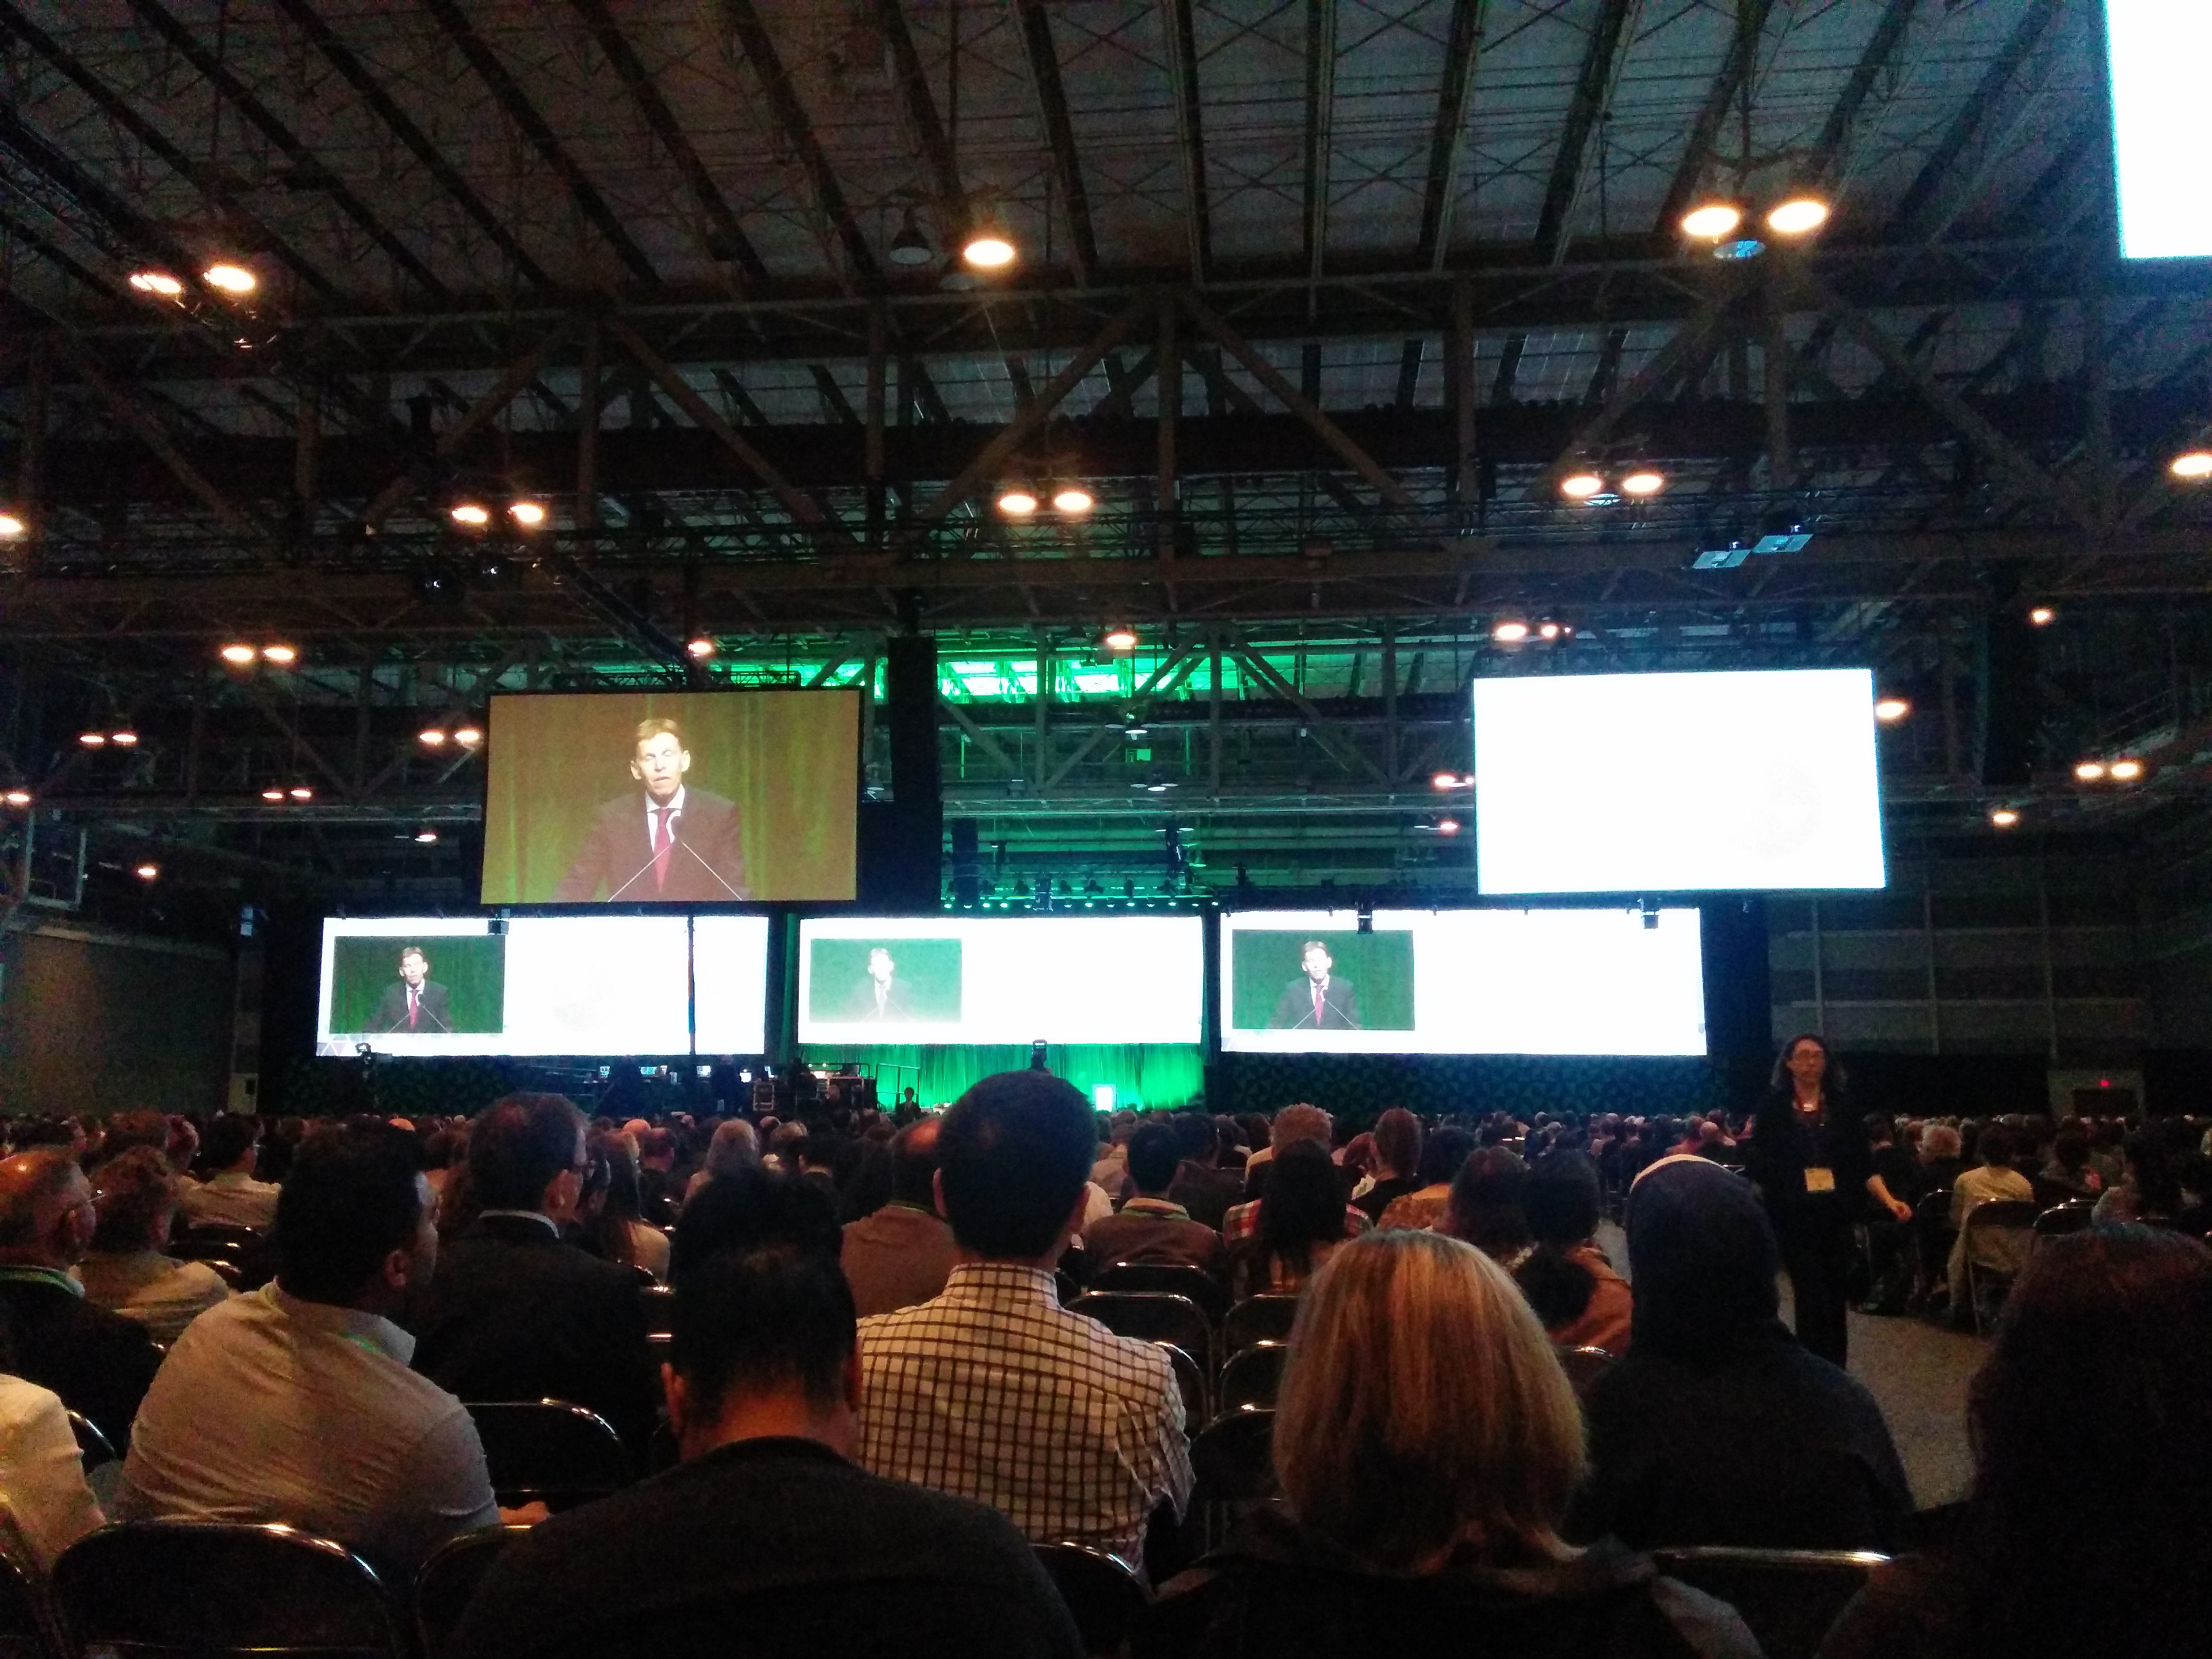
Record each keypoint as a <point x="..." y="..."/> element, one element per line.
<point x="1145" y="1076"/>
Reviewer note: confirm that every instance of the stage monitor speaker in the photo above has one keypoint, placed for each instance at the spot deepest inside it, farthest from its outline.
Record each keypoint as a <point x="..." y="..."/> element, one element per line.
<point x="2007" y="714"/>
<point x="901" y="841"/>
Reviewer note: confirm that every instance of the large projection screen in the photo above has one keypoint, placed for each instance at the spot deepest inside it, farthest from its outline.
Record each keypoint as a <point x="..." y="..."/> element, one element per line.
<point x="671" y="796"/>
<point x="1667" y="783"/>
<point x="1000" y="978"/>
<point x="1493" y="981"/>
<point x="729" y="984"/>
<point x="549" y="985"/>
<point x="2161" y="61"/>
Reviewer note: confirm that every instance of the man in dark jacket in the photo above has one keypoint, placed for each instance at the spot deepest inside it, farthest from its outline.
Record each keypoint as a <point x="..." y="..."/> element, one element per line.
<point x="99" y="1363"/>
<point x="515" y="1313"/>
<point x="671" y="842"/>
<point x="1152" y="1226"/>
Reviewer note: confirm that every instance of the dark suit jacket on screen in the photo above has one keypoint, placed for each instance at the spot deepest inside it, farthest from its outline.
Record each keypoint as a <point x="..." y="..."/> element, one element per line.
<point x="99" y="1363"/>
<point x="897" y="1004"/>
<point x="1294" y="1008"/>
<point x="432" y="1012"/>
<point x="512" y="1313"/>
<point x="708" y="862"/>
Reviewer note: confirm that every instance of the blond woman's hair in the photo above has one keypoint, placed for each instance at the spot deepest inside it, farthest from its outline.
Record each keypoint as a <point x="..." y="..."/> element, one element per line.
<point x="1423" y="1408"/>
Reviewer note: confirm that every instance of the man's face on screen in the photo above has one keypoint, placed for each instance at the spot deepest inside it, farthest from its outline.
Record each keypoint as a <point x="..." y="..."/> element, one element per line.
<point x="414" y="969"/>
<point x="659" y="765"/>
<point x="1318" y="964"/>
<point x="879" y="966"/>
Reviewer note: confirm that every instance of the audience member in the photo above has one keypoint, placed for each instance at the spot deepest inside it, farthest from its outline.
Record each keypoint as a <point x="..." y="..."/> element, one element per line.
<point x="1941" y="1162"/>
<point x="2068" y="1172"/>
<point x="1152" y="1226"/>
<point x="766" y="1539"/>
<point x="2090" y="1519"/>
<point x="734" y="1148"/>
<point x="610" y="1224"/>
<point x="659" y="1191"/>
<point x="1893" y="1189"/>
<point x="991" y="1390"/>
<point x="296" y="1404"/>
<point x="1276" y="1243"/>
<point x="1486" y="1208"/>
<point x="904" y="1253"/>
<point x="516" y="1314"/>
<point x="124" y="1271"/>
<point x="1995" y="1179"/>
<point x="99" y="1362"/>
<point x="1582" y="1301"/>
<point x="1112" y="1163"/>
<point x="1427" y="1444"/>
<point x="1398" y="1162"/>
<point x="230" y="1196"/>
<point x="1441" y="1155"/>
<point x="1205" y="1188"/>
<point x="2151" y="1190"/>
<point x="44" y="1496"/>
<point x="1287" y="1128"/>
<point x="1718" y="1427"/>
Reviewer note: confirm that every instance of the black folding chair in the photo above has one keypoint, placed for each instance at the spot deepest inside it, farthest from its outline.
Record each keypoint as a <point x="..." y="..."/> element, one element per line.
<point x="194" y="1589"/>
<point x="214" y="1235"/>
<point x="2060" y="1220"/>
<point x="249" y="1254"/>
<point x="1190" y="1383"/>
<point x="1253" y="1375"/>
<point x="1788" y="1597"/>
<point x="1584" y="1366"/>
<point x="1234" y="1470"/>
<point x="2015" y="1217"/>
<point x="1150" y="1317"/>
<point x="1258" y="1319"/>
<point x="549" y="1451"/>
<point x="1933" y="1232"/>
<point x="449" y="1579"/>
<point x="1166" y="1278"/>
<point x="92" y="1445"/>
<point x="26" y="1629"/>
<point x="660" y="1304"/>
<point x="1102" y="1590"/>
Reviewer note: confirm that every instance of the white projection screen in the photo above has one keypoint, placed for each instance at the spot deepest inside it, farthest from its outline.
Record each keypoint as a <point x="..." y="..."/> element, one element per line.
<point x="1660" y="783"/>
<point x="729" y="984"/>
<point x="1000" y="978"/>
<point x="2161" y="61"/>
<point x="1486" y="982"/>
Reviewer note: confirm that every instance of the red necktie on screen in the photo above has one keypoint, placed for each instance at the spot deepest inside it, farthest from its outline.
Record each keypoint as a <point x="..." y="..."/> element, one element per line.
<point x="413" y="996"/>
<point x="664" y="841"/>
<point x="1320" y="1002"/>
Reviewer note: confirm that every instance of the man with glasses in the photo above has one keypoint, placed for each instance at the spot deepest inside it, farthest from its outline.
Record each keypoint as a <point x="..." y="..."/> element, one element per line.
<point x="516" y="1313"/>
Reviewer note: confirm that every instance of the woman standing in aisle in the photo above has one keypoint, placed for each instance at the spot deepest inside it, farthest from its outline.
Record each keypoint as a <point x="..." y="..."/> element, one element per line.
<point x="1811" y="1162"/>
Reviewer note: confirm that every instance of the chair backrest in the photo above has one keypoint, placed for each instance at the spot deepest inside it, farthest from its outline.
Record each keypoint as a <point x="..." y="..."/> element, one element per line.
<point x="1584" y="1366"/>
<point x="1150" y="1316"/>
<point x="25" y="1623"/>
<point x="660" y="1309"/>
<point x="550" y="1449"/>
<point x="231" y="1272"/>
<point x="1253" y="1375"/>
<point x="2017" y="1216"/>
<point x="2059" y="1220"/>
<point x="1258" y="1319"/>
<point x="1106" y="1596"/>
<point x="1934" y="1209"/>
<point x="1788" y="1597"/>
<point x="1190" y="1383"/>
<point x="206" y="1588"/>
<point x="93" y="1446"/>
<point x="1168" y="1278"/>
<point x="202" y="1234"/>
<point x="450" y="1577"/>
<point x="1230" y="1457"/>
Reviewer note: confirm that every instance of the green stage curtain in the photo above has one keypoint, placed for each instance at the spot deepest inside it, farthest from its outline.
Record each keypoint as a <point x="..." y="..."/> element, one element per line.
<point x="1145" y="1076"/>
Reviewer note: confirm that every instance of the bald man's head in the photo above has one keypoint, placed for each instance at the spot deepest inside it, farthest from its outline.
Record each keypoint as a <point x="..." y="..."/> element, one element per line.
<point x="913" y="1164"/>
<point x="46" y="1214"/>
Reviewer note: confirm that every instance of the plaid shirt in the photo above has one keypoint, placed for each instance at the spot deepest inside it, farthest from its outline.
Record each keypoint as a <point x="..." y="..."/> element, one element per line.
<point x="1241" y="1224"/>
<point x="995" y="1392"/>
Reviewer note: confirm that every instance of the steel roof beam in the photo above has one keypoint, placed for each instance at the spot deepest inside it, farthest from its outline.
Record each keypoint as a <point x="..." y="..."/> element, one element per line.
<point x="1916" y="209"/>
<point x="1060" y="133"/>
<point x="1448" y="141"/>
<point x="1593" y="91"/>
<point x="1180" y="31"/>
<point x="511" y="98"/>
<point x="1831" y="148"/>
<point x="911" y="83"/>
<point x="1704" y="131"/>
<point x="1320" y="131"/>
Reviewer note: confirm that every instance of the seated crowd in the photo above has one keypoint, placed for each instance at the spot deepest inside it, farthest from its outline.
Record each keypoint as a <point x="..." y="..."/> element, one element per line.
<point x="875" y="1398"/>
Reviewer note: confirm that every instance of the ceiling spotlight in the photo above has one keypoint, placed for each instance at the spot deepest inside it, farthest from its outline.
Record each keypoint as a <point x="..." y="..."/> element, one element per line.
<point x="1891" y="710"/>
<point x="467" y="736"/>
<point x="1798" y="215"/>
<point x="11" y="527"/>
<point x="17" y="798"/>
<point x="1580" y="486"/>
<point x="474" y="514"/>
<point x="2003" y="817"/>
<point x="528" y="514"/>
<point x="1446" y="780"/>
<point x="988" y="247"/>
<point x="1549" y="630"/>
<point x="1510" y="633"/>
<point x="2043" y="616"/>
<point x="1120" y="639"/>
<point x="1074" y="500"/>
<point x="2089" y="771"/>
<point x="910" y="247"/>
<point x="432" y="737"/>
<point x="1448" y="826"/>
<point x="1645" y="481"/>
<point x="273" y="794"/>
<point x="125" y="738"/>
<point x="231" y="279"/>
<point x="93" y="739"/>
<point x="238" y="656"/>
<point x="300" y="792"/>
<point x="700" y="646"/>
<point x="2126" y="771"/>
<point x="157" y="282"/>
<point x="148" y="871"/>
<point x="282" y="655"/>
<point x="1016" y="503"/>
<point x="2196" y="464"/>
<point x="1136" y="731"/>
<point x="424" y="837"/>
<point x="1711" y="222"/>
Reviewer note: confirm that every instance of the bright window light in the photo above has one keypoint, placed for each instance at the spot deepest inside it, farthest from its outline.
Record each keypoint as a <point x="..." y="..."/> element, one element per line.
<point x="2160" y="130"/>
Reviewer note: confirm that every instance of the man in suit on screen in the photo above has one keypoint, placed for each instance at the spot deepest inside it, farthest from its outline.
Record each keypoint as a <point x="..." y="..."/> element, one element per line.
<point x="670" y="843"/>
<point x="881" y="999"/>
<point x="1317" y="1000"/>
<point x="417" y="1004"/>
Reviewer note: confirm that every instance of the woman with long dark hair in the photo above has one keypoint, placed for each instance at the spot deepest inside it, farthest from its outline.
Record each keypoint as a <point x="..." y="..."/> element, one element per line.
<point x="1302" y="1221"/>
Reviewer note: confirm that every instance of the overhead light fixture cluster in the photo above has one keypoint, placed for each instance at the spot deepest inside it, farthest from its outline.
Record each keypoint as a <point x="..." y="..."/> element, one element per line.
<point x="123" y="738"/>
<point x="474" y="514"/>
<point x="1120" y="639"/>
<point x="1590" y="487"/>
<point x="467" y="734"/>
<point x="228" y="277"/>
<point x="1070" y="500"/>
<point x="239" y="654"/>
<point x="1719" y="222"/>
<point x="279" y="794"/>
<point x="1512" y="630"/>
<point x="2125" y="769"/>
